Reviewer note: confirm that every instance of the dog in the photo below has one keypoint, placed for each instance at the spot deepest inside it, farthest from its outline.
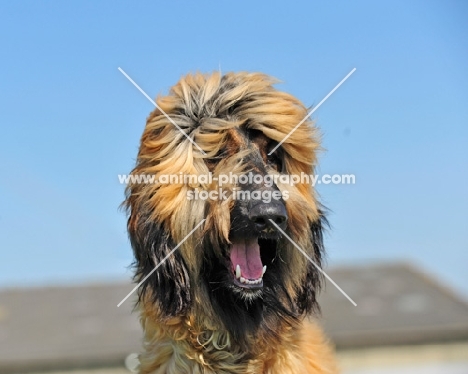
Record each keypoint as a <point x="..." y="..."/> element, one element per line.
<point x="231" y="292"/>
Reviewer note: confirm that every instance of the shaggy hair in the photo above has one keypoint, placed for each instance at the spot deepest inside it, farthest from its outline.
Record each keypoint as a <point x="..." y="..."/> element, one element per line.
<point x="196" y="315"/>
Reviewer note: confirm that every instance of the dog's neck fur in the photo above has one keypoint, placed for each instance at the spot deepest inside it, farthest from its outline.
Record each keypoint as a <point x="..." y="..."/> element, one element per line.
<point x="182" y="345"/>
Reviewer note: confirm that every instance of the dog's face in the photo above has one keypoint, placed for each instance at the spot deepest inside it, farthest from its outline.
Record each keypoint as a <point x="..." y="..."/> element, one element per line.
<point x="252" y="244"/>
<point x="239" y="266"/>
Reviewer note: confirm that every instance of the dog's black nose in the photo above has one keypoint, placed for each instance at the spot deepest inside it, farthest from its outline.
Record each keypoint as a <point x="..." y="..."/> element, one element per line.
<point x="261" y="214"/>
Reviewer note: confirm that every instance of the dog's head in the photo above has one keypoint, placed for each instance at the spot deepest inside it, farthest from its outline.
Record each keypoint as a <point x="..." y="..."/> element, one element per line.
<point x="244" y="265"/>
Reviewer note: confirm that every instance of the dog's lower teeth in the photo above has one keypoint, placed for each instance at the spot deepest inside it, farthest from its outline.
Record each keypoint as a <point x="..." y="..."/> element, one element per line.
<point x="247" y="281"/>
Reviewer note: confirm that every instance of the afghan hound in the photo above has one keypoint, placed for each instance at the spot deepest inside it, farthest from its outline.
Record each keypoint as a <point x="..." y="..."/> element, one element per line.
<point x="231" y="293"/>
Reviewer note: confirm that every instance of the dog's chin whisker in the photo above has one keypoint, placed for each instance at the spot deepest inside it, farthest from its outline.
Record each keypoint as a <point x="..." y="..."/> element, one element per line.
<point x="250" y="297"/>
<point x="221" y="289"/>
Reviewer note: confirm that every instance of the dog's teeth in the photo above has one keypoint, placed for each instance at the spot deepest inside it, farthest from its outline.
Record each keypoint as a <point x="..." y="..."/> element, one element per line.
<point x="264" y="269"/>
<point x="250" y="281"/>
<point x="246" y="280"/>
<point x="238" y="272"/>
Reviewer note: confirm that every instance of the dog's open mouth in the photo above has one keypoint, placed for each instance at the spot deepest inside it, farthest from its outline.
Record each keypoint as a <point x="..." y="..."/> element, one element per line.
<point x="247" y="266"/>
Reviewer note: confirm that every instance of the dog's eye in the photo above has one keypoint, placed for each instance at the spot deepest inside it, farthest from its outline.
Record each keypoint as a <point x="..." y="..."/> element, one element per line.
<point x="213" y="161"/>
<point x="275" y="162"/>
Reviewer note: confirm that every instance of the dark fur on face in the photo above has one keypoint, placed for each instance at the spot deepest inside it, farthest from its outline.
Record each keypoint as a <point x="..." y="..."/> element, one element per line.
<point x="236" y="119"/>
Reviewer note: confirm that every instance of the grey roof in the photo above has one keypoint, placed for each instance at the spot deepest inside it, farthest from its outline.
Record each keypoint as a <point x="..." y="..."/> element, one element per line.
<point x="81" y="326"/>
<point x="66" y="327"/>
<point x="396" y="304"/>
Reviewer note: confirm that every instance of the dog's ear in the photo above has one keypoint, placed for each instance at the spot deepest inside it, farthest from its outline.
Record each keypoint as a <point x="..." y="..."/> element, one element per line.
<point x="169" y="284"/>
<point x="307" y="295"/>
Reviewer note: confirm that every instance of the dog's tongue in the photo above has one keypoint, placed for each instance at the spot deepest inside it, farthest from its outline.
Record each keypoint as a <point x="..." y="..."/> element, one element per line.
<point x="246" y="254"/>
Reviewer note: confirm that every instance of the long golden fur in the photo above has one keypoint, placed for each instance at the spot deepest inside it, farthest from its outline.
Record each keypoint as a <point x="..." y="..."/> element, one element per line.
<point x="196" y="318"/>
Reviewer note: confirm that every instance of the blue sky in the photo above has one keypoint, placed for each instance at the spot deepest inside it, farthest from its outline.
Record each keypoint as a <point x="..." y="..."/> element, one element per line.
<point x="70" y="122"/>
